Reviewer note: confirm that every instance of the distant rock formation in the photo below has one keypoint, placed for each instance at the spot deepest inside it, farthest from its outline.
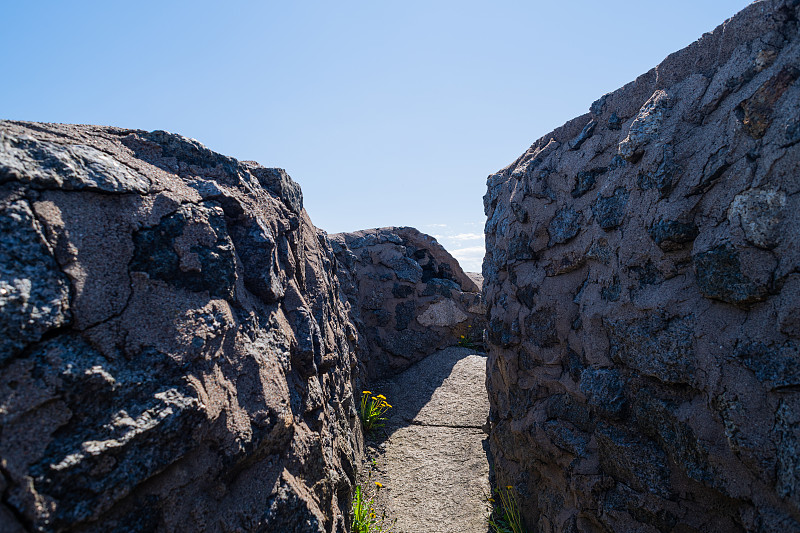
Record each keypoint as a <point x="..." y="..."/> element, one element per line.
<point x="408" y="295"/>
<point x="175" y="352"/>
<point x="642" y="280"/>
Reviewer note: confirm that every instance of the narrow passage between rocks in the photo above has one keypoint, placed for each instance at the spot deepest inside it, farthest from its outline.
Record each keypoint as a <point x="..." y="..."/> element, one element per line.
<point x="432" y="454"/>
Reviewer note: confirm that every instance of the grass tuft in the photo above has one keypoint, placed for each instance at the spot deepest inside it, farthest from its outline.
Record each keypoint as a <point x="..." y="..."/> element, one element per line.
<point x="365" y="517"/>
<point x="504" y="515"/>
<point x="470" y="340"/>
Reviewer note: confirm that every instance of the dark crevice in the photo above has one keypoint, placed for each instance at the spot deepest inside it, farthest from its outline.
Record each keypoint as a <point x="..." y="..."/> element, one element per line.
<point x="118" y="314"/>
<point x="4" y="499"/>
<point x="50" y="334"/>
<point x="117" y="194"/>
<point x="452" y="426"/>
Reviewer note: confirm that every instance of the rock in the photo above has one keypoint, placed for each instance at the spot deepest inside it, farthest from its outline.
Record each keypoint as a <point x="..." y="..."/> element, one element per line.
<point x="604" y="390"/>
<point x="643" y="346"/>
<point x="756" y="112"/>
<point x="633" y="460"/>
<point x="760" y="213"/>
<point x="584" y="181"/>
<point x="519" y="212"/>
<point x="278" y="182"/>
<point x="34" y="293"/>
<point x="76" y="167"/>
<point x="585" y="134"/>
<point x="205" y="263"/>
<point x="609" y="211"/>
<point x="663" y="176"/>
<point x="778" y="367"/>
<point x="442" y="287"/>
<point x="404" y="313"/>
<point x="400" y="270"/>
<point x="655" y="346"/>
<point x="719" y="276"/>
<point x="645" y="126"/>
<point x="442" y="314"/>
<point x="519" y="248"/>
<point x="177" y="354"/>
<point x="540" y="327"/>
<point x="671" y="235"/>
<point x="614" y="122"/>
<point x="563" y="226"/>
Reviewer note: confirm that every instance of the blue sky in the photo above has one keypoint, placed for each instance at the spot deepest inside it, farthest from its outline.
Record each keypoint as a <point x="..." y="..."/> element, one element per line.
<point x="386" y="113"/>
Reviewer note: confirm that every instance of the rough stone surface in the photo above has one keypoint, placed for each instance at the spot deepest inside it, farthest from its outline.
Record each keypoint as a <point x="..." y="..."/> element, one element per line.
<point x="408" y="294"/>
<point x="643" y="325"/>
<point x="175" y="354"/>
<point x="432" y="455"/>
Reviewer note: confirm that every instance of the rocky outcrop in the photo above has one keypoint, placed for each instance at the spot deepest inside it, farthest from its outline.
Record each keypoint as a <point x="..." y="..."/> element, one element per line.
<point x="408" y="294"/>
<point x="175" y="352"/>
<point x="642" y="281"/>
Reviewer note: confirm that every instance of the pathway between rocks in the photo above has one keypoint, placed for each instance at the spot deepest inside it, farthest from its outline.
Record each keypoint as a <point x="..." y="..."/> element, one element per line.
<point x="433" y="463"/>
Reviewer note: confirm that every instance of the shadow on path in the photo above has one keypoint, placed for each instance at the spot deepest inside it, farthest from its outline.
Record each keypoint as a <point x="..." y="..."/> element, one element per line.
<point x="432" y="456"/>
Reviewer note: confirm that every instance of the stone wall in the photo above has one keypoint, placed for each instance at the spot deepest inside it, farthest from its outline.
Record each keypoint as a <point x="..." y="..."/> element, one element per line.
<point x="408" y="294"/>
<point x="642" y="280"/>
<point x="175" y="353"/>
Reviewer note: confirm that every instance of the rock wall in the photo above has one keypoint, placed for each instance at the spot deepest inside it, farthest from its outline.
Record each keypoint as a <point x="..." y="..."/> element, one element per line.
<point x="642" y="280"/>
<point x="175" y="352"/>
<point x="408" y="294"/>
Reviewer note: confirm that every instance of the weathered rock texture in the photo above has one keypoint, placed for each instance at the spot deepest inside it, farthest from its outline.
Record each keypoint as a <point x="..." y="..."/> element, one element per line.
<point x="408" y="294"/>
<point x="174" y="351"/>
<point x="643" y="283"/>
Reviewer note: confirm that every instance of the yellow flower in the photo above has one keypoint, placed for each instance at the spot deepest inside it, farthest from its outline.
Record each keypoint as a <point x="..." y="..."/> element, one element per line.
<point x="509" y="487"/>
<point x="366" y="392"/>
<point x="378" y="484"/>
<point x="386" y="404"/>
<point x="381" y="396"/>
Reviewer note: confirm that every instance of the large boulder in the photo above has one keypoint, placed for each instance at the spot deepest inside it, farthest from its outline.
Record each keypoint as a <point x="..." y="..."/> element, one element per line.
<point x="642" y="280"/>
<point x="175" y="352"/>
<point x="409" y="297"/>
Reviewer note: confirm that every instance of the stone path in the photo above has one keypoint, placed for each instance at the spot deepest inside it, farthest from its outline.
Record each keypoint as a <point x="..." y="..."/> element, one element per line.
<point x="433" y="460"/>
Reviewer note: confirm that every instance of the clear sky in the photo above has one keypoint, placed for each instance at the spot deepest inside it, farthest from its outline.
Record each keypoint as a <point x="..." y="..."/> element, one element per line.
<point x="386" y="113"/>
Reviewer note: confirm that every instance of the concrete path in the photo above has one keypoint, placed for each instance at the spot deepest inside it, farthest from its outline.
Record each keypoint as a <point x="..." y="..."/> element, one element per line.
<point x="433" y="463"/>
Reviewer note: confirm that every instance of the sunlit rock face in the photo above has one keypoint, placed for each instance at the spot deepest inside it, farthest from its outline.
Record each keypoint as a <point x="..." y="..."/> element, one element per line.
<point x="174" y="352"/>
<point x="409" y="297"/>
<point x="642" y="280"/>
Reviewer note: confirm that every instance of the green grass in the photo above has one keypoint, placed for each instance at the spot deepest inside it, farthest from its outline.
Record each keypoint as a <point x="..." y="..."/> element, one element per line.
<point x="365" y="517"/>
<point x="372" y="411"/>
<point x="504" y="516"/>
<point x="467" y="341"/>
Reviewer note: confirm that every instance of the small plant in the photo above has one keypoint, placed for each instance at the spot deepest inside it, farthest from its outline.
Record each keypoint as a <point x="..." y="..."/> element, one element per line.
<point x="365" y="518"/>
<point x="372" y="411"/>
<point x="504" y="516"/>
<point x="466" y="341"/>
